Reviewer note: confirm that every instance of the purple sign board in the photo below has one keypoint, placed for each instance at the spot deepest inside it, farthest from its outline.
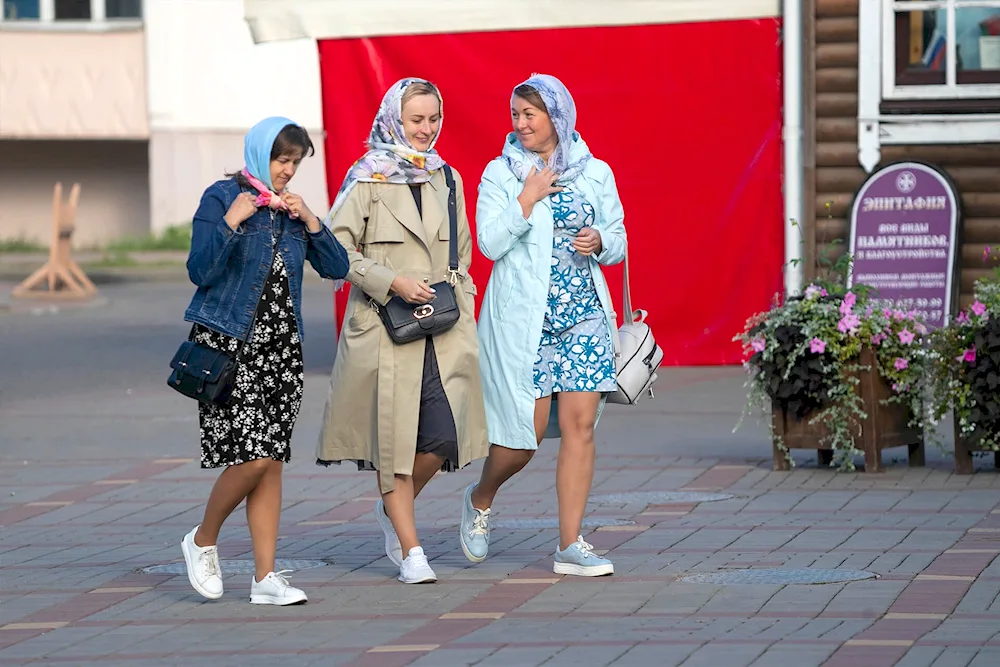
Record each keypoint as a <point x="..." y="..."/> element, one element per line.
<point x="904" y="226"/>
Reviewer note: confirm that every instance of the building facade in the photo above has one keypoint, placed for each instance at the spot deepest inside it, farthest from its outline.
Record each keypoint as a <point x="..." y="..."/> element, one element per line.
<point x="891" y="80"/>
<point x="144" y="103"/>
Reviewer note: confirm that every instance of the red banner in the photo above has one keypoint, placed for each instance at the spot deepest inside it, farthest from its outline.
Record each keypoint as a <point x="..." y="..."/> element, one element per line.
<point x="687" y="115"/>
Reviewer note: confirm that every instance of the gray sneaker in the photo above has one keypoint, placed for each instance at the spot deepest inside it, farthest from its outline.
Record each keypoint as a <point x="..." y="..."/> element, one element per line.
<point x="580" y="560"/>
<point x="474" y="533"/>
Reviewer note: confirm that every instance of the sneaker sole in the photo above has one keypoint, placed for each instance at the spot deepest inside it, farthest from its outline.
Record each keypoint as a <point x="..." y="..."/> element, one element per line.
<point x="461" y="533"/>
<point x="188" y="559"/>
<point x="583" y="570"/>
<point x="390" y="535"/>
<point x="279" y="602"/>
<point x="427" y="580"/>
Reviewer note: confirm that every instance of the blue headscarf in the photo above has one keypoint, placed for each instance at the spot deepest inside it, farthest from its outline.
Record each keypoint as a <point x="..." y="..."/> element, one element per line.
<point x="257" y="147"/>
<point x="571" y="155"/>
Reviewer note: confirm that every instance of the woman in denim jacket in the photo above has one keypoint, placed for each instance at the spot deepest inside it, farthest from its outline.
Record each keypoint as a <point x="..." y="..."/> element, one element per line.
<point x="250" y="240"/>
<point x="549" y="216"/>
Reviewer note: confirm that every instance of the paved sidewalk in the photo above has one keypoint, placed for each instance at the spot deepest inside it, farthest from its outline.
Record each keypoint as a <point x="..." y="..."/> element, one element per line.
<point x="97" y="484"/>
<point x="76" y="537"/>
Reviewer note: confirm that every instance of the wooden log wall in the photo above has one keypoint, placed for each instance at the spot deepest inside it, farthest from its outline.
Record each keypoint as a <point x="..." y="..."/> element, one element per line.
<point x="832" y="146"/>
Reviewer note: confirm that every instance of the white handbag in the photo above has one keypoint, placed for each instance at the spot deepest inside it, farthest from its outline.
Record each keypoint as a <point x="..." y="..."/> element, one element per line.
<point x="637" y="356"/>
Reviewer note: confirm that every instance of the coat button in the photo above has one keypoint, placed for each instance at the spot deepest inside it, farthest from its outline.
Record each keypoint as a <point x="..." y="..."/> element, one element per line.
<point x="426" y="280"/>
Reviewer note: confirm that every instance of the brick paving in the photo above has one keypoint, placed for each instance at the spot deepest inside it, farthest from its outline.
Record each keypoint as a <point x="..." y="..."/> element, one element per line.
<point x="74" y="545"/>
<point x="99" y="482"/>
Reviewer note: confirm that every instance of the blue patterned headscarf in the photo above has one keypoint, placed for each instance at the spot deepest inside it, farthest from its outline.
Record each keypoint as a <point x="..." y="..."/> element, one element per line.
<point x="257" y="147"/>
<point x="391" y="158"/>
<point x="564" y="161"/>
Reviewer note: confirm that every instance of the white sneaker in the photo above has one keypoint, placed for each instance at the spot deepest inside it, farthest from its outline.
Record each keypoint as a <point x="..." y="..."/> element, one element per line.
<point x="392" y="548"/>
<point x="415" y="569"/>
<point x="275" y="589"/>
<point x="202" y="567"/>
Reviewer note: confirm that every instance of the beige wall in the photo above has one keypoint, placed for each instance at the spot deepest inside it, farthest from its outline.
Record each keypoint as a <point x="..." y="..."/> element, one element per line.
<point x="114" y="194"/>
<point x="183" y="163"/>
<point x="80" y="85"/>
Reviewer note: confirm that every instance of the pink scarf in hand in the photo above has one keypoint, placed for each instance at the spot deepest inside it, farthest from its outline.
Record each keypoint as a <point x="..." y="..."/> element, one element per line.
<point x="266" y="196"/>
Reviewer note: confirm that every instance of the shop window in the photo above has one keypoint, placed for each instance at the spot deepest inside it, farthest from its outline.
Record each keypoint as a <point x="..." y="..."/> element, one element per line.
<point x="941" y="49"/>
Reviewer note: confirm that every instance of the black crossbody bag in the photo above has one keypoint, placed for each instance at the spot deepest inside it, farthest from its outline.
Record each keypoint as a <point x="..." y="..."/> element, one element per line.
<point x="407" y="322"/>
<point x="204" y="373"/>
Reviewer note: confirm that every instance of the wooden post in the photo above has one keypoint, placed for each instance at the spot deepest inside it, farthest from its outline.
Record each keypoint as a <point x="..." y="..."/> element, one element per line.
<point x="61" y="275"/>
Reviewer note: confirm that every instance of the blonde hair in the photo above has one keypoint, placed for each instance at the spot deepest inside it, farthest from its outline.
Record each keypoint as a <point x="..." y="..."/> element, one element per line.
<point x="419" y="88"/>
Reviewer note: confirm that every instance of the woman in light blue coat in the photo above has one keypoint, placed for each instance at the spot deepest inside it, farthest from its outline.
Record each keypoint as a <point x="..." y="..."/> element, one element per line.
<point x="549" y="216"/>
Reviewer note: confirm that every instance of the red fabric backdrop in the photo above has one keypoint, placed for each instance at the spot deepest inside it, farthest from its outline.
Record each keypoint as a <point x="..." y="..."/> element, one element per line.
<point x="687" y="115"/>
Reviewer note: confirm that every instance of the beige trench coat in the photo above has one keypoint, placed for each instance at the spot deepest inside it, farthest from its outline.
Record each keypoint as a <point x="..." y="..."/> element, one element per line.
<point x="373" y="403"/>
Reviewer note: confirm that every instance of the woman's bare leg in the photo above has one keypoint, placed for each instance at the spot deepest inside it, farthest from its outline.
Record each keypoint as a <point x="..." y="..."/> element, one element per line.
<point x="503" y="463"/>
<point x="233" y="485"/>
<point x="264" y="516"/>
<point x="399" y="508"/>
<point x="575" y="466"/>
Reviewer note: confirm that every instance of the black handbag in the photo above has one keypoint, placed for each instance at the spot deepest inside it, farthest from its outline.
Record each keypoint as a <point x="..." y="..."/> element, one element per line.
<point x="407" y="322"/>
<point x="204" y="373"/>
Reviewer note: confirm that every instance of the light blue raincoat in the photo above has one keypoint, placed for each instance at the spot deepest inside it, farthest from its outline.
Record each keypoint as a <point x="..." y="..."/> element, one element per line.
<point x="513" y="309"/>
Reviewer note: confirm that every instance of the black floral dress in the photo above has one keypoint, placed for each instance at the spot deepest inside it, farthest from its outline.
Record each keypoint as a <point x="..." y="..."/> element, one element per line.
<point x="258" y="420"/>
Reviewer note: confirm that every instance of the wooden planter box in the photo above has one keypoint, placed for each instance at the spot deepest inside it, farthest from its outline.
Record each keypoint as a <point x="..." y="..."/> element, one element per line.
<point x="885" y="428"/>
<point x="964" y="447"/>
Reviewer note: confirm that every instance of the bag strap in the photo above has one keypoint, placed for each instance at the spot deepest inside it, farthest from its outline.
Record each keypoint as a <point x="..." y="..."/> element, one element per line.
<point x="452" y="223"/>
<point x="627" y="292"/>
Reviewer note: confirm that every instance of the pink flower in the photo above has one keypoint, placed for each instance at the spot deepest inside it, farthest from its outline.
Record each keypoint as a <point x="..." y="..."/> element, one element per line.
<point x="813" y="291"/>
<point x="887" y="312"/>
<point x="901" y="364"/>
<point x="816" y="346"/>
<point x="963" y="318"/>
<point x="848" y="303"/>
<point x="978" y="308"/>
<point x="921" y="329"/>
<point x="868" y="311"/>
<point x="906" y="337"/>
<point x="848" y="323"/>
<point x="758" y="344"/>
<point x="970" y="355"/>
<point x="986" y="253"/>
<point x="878" y="338"/>
<point x="898" y="315"/>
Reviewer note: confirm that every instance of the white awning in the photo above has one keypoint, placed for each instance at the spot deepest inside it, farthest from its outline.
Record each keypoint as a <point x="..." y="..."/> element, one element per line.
<point x="272" y="20"/>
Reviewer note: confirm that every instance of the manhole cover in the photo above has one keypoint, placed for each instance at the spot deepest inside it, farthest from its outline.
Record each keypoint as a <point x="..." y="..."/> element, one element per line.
<point x="658" y="497"/>
<point x="237" y="566"/>
<point x="779" y="576"/>
<point x="535" y="524"/>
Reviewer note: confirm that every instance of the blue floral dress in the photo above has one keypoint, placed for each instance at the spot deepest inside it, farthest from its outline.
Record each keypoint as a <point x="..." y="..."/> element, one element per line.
<point x="575" y="352"/>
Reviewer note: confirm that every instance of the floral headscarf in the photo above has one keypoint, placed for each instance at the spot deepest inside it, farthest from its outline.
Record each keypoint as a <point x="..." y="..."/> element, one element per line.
<point x="562" y="110"/>
<point x="390" y="157"/>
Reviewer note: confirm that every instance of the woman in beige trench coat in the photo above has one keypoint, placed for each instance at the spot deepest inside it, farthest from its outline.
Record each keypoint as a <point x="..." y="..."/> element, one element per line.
<point x="406" y="410"/>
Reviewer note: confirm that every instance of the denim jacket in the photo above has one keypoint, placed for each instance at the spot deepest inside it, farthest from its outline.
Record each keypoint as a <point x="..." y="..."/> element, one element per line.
<point x="230" y="268"/>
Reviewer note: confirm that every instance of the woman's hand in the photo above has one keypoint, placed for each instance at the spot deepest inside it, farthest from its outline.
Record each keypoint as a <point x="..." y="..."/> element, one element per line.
<point x="537" y="186"/>
<point x="588" y="242"/>
<point x="297" y="206"/>
<point x="411" y="290"/>
<point x="244" y="206"/>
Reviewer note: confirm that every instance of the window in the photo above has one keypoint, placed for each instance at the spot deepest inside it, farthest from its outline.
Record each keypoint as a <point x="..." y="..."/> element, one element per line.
<point x="92" y="11"/>
<point x="941" y="49"/>
<point x="72" y="9"/>
<point x="928" y="73"/>
<point x="15" y="10"/>
<point x="123" y="9"/>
